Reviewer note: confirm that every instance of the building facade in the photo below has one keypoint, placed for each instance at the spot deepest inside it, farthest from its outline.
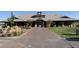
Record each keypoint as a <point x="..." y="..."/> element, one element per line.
<point x="43" y="20"/>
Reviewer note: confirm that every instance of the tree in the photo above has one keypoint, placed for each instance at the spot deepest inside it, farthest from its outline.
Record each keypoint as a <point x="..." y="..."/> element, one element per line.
<point x="11" y="19"/>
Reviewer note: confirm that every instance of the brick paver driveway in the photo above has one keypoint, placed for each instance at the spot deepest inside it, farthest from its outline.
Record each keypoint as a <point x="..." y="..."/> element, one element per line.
<point x="35" y="38"/>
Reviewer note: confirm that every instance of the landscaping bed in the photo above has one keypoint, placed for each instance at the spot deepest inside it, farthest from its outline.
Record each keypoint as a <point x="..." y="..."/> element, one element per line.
<point x="11" y="31"/>
<point x="66" y="32"/>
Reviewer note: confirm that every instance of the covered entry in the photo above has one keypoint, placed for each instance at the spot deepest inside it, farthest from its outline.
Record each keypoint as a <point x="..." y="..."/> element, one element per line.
<point x="39" y="23"/>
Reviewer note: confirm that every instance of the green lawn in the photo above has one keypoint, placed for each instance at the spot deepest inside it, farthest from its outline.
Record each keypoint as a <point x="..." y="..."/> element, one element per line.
<point x="66" y="32"/>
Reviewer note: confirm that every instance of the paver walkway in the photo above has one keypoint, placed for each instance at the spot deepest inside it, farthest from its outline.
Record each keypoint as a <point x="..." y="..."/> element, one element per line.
<point x="35" y="38"/>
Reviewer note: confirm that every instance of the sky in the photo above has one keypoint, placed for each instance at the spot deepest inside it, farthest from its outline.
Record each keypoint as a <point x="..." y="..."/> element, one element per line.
<point x="6" y="14"/>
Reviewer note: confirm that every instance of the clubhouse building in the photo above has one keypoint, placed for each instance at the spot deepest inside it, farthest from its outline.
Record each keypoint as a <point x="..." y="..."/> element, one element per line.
<point x="43" y="20"/>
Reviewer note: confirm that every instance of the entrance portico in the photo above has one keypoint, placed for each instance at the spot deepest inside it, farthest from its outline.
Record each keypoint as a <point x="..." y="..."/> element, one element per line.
<point x="39" y="23"/>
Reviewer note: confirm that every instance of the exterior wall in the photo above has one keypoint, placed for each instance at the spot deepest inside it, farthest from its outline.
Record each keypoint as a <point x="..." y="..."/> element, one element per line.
<point x="63" y="23"/>
<point x="43" y="23"/>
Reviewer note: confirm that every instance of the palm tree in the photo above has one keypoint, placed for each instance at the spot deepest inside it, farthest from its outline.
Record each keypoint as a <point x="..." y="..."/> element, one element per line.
<point x="11" y="19"/>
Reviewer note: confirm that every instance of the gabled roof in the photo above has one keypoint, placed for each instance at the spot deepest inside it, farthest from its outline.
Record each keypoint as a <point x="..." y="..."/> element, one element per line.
<point x="51" y="17"/>
<point x="64" y="17"/>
